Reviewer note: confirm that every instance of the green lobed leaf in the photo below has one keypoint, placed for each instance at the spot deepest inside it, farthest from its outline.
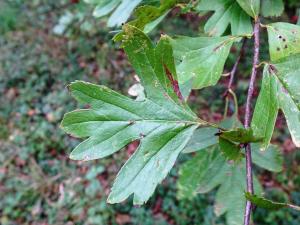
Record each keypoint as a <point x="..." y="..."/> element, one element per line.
<point x="202" y="173"/>
<point x="272" y="8"/>
<point x="266" y="109"/>
<point x="201" y="59"/>
<point x="264" y="203"/>
<point x="230" y="150"/>
<point x="240" y="135"/>
<point x="210" y="169"/>
<point x="229" y="197"/>
<point x="251" y="7"/>
<point x="162" y="121"/>
<point x="226" y="12"/>
<point x="284" y="40"/>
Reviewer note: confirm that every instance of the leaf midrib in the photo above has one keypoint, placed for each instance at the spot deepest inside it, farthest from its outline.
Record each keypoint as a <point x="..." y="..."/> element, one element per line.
<point x="146" y="162"/>
<point x="187" y="122"/>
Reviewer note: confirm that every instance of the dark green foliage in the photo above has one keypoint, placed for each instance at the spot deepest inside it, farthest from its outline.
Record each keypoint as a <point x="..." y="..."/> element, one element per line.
<point x="9" y="16"/>
<point x="240" y="135"/>
<point x="264" y="203"/>
<point x="230" y="150"/>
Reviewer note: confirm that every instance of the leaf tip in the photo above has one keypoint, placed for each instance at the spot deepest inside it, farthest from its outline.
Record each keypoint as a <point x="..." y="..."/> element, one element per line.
<point x="110" y="200"/>
<point x="75" y="155"/>
<point x="72" y="156"/>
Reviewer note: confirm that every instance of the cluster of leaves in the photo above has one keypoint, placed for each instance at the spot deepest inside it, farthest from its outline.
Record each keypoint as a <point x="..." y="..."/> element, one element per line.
<point x="150" y="13"/>
<point x="280" y="89"/>
<point x="162" y="121"/>
<point x="38" y="183"/>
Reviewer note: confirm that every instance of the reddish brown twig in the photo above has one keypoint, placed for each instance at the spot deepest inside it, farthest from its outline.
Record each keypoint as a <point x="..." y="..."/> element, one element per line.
<point x="231" y="80"/>
<point x="248" y="115"/>
<point x="234" y="68"/>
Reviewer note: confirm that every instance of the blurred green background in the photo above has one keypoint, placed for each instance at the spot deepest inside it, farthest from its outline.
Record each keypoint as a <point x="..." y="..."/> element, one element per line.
<point x="46" y="44"/>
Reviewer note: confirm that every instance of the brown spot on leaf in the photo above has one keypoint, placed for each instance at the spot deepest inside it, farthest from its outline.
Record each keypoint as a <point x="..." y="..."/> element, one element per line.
<point x="272" y="69"/>
<point x="174" y="83"/>
<point x="131" y="122"/>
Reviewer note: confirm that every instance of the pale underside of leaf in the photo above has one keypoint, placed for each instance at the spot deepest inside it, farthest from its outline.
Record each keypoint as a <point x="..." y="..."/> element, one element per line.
<point x="226" y="12"/>
<point x="201" y="59"/>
